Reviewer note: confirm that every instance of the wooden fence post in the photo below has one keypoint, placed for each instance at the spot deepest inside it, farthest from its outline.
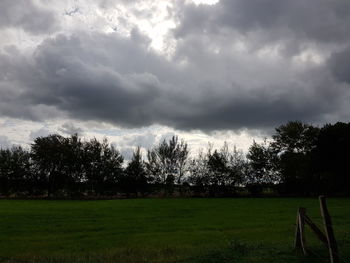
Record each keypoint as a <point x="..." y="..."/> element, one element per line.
<point x="332" y="244"/>
<point x="297" y="243"/>
<point x="299" y="230"/>
<point x="302" y="211"/>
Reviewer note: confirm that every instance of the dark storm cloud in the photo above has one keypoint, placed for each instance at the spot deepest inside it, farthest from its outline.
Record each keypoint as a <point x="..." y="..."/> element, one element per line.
<point x="339" y="63"/>
<point x="288" y="20"/>
<point x="113" y="79"/>
<point x="207" y="85"/>
<point x="254" y="109"/>
<point x="27" y="15"/>
<point x="320" y="20"/>
<point x="90" y="77"/>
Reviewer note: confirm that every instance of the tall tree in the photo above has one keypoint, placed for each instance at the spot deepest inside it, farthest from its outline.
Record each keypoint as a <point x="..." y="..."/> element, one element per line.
<point x="226" y="170"/>
<point x="15" y="170"/>
<point x="73" y="158"/>
<point x="239" y="167"/>
<point x="295" y="137"/>
<point x="331" y="158"/>
<point x="292" y="145"/>
<point x="102" y="165"/>
<point x="49" y="156"/>
<point x="218" y="167"/>
<point x="199" y="174"/>
<point x="167" y="162"/>
<point x="263" y="164"/>
<point x="134" y="179"/>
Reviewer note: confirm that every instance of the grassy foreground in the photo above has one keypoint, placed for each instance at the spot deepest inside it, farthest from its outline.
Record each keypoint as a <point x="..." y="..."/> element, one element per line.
<point x="164" y="230"/>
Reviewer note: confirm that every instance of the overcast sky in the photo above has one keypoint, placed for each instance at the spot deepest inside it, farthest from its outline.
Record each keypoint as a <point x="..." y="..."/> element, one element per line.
<point x="137" y="71"/>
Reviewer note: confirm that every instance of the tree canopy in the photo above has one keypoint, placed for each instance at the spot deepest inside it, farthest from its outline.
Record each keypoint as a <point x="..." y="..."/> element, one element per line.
<point x="298" y="159"/>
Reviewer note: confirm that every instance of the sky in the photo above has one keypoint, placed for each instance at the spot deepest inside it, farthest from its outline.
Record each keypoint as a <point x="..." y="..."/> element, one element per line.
<point x="139" y="71"/>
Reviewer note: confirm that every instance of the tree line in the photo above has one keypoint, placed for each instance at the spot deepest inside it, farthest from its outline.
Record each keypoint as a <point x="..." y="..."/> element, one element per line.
<point x="299" y="159"/>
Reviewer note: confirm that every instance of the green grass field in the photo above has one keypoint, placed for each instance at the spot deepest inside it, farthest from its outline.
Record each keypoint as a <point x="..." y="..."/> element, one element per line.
<point x="164" y="230"/>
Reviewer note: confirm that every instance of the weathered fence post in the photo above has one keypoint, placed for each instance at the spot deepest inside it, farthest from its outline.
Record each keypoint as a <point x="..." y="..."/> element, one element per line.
<point x="299" y="230"/>
<point x="332" y="244"/>
<point x="302" y="211"/>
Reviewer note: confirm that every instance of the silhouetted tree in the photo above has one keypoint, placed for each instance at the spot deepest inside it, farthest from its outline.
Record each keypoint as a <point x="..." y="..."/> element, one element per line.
<point x="239" y="167"/>
<point x="263" y="164"/>
<point x="154" y="167"/>
<point x="15" y="170"/>
<point x="218" y="168"/>
<point x="73" y="158"/>
<point x="112" y="163"/>
<point x="199" y="174"/>
<point x="134" y="179"/>
<point x="226" y="170"/>
<point x="49" y="156"/>
<point x="300" y="159"/>
<point x="167" y="162"/>
<point x="331" y="158"/>
<point x="92" y="163"/>
<point x="102" y="165"/>
<point x="295" y="137"/>
<point x="292" y="145"/>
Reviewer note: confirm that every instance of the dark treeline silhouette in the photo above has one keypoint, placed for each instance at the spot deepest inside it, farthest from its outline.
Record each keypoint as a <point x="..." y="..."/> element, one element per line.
<point x="299" y="159"/>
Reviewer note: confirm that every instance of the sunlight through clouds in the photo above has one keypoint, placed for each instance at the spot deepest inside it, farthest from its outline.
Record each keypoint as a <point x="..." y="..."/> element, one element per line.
<point x="206" y="2"/>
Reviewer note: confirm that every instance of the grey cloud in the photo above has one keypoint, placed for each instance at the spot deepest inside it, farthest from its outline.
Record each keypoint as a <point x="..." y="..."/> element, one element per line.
<point x="4" y="142"/>
<point x="111" y="3"/>
<point x="259" y="109"/>
<point x="126" y="152"/>
<point x="39" y="133"/>
<point x="70" y="128"/>
<point x="105" y="77"/>
<point x="339" y="64"/>
<point x="290" y="23"/>
<point x="27" y="15"/>
<point x="145" y="140"/>
<point x="166" y="136"/>
<point x="83" y="81"/>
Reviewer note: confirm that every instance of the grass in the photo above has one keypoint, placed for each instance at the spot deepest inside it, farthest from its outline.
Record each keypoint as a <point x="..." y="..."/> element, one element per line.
<point x="164" y="230"/>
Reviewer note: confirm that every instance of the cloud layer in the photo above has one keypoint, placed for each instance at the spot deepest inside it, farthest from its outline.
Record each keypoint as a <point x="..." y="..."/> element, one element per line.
<point x="27" y="15"/>
<point x="237" y="64"/>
